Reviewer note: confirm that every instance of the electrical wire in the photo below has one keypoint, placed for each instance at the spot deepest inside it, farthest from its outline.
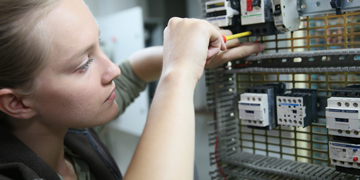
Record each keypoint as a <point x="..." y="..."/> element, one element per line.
<point x="256" y="41"/>
<point x="238" y="65"/>
<point x="217" y="162"/>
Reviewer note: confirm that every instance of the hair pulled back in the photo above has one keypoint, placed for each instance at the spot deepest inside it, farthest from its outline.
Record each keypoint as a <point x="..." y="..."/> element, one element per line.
<point x="23" y="48"/>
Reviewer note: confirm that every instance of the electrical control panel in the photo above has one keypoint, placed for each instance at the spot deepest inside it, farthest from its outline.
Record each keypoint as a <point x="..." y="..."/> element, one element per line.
<point x="220" y="13"/>
<point x="269" y="17"/>
<point x="343" y="112"/>
<point x="257" y="105"/>
<point x="345" y="153"/>
<point x="298" y="108"/>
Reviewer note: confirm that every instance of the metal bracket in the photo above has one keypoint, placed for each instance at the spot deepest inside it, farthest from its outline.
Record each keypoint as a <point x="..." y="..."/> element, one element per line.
<point x="336" y="4"/>
<point x="311" y="7"/>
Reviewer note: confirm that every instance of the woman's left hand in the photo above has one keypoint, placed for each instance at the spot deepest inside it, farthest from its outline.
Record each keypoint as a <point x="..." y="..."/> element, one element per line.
<point x="235" y="50"/>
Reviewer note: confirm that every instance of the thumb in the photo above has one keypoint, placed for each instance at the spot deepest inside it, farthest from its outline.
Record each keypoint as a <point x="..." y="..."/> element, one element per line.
<point x="215" y="46"/>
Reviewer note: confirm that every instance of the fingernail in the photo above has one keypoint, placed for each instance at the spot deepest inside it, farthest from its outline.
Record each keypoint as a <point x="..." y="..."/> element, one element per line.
<point x="262" y="46"/>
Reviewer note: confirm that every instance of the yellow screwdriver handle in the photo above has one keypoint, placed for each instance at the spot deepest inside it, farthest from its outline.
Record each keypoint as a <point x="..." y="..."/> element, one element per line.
<point x="247" y="33"/>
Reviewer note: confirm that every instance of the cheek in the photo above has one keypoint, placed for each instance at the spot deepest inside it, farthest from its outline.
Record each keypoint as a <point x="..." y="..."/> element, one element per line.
<point x="69" y="102"/>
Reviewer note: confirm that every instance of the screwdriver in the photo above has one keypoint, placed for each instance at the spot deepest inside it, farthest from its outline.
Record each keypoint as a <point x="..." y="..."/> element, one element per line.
<point x="243" y="34"/>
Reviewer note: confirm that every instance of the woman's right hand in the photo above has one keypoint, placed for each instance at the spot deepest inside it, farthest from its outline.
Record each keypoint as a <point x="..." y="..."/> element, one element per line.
<point x="190" y="44"/>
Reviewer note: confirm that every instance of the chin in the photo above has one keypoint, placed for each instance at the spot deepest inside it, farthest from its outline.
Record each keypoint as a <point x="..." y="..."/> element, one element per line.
<point x="102" y="118"/>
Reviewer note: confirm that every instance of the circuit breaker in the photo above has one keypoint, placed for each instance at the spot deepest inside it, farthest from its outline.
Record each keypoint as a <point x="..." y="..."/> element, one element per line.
<point x="286" y="17"/>
<point x="252" y="12"/>
<point x="257" y="105"/>
<point x="298" y="108"/>
<point x="345" y="153"/>
<point x="220" y="13"/>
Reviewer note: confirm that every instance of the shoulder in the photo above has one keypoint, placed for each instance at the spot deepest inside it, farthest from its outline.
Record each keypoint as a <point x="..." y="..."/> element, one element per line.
<point x="17" y="170"/>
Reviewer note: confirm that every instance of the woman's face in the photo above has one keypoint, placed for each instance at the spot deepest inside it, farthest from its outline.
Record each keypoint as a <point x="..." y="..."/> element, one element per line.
<point x="75" y="89"/>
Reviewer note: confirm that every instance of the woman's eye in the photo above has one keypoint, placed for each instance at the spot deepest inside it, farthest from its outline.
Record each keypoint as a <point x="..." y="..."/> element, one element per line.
<point x="86" y="65"/>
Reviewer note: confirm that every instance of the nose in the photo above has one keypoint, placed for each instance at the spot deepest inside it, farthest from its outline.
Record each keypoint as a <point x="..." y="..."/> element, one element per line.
<point x="111" y="71"/>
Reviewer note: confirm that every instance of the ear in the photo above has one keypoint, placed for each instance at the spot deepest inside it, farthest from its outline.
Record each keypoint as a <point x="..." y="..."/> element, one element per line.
<point x="12" y="103"/>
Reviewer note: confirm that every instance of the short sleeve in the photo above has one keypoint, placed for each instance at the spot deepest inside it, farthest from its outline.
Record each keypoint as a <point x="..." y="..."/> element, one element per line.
<point x="128" y="87"/>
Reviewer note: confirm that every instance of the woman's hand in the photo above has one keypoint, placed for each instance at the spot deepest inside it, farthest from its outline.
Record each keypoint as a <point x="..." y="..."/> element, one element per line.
<point x="189" y="44"/>
<point x="235" y="50"/>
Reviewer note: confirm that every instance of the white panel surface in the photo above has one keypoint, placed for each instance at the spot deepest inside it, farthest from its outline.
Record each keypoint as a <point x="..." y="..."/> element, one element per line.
<point x="121" y="35"/>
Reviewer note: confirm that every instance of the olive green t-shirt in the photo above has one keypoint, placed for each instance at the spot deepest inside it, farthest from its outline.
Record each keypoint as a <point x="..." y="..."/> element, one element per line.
<point x="128" y="87"/>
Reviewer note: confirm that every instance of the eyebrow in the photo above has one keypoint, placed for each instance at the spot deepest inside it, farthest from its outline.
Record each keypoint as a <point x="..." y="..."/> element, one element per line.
<point x="87" y="49"/>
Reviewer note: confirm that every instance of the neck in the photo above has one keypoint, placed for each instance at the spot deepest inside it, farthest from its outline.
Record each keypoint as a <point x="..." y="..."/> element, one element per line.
<point x="47" y="142"/>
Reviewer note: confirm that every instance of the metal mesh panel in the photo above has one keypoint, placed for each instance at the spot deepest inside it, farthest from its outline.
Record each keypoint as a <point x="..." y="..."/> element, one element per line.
<point x="316" y="33"/>
<point x="307" y="145"/>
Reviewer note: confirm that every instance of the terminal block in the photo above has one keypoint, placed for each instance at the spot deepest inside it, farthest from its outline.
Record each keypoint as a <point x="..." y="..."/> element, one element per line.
<point x="345" y="153"/>
<point x="343" y="112"/>
<point x="298" y="108"/>
<point x="257" y="106"/>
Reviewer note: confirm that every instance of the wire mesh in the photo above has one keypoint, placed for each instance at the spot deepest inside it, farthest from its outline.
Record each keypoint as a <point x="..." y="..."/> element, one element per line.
<point x="310" y="144"/>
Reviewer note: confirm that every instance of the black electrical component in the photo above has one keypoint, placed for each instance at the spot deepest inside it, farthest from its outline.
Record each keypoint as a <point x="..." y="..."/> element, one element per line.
<point x="336" y="4"/>
<point x="256" y="3"/>
<point x="349" y="91"/>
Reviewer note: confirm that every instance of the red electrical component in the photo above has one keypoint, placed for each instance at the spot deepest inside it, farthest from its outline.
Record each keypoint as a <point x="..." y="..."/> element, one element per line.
<point x="249" y="5"/>
<point x="355" y="159"/>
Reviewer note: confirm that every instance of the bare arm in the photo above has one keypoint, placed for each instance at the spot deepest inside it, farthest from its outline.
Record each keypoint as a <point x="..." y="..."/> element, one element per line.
<point x="166" y="147"/>
<point x="147" y="63"/>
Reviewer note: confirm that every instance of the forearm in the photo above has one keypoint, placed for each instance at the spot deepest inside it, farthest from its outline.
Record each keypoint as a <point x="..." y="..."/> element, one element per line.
<point x="147" y="63"/>
<point x="166" y="148"/>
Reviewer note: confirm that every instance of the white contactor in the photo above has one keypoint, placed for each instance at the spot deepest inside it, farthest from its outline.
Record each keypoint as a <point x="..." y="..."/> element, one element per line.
<point x="291" y="111"/>
<point x="343" y="117"/>
<point x="253" y="109"/>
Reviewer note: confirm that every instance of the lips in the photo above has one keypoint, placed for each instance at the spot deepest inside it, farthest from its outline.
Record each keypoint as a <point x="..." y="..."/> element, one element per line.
<point x="111" y="97"/>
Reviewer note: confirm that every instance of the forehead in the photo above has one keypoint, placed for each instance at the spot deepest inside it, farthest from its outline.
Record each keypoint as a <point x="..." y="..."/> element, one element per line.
<point x="71" y="27"/>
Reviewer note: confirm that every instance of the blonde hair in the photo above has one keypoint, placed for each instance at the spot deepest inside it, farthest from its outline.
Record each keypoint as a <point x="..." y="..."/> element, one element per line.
<point x="23" y="52"/>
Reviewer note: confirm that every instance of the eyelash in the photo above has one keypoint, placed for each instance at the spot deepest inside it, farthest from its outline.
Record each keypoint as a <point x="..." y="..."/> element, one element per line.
<point x="86" y="65"/>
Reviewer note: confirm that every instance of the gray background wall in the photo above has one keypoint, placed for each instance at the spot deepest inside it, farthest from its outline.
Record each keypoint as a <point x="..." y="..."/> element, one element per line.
<point x="121" y="144"/>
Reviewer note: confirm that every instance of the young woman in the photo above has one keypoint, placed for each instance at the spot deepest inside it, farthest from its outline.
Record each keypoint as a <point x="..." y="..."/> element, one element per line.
<point x="55" y="82"/>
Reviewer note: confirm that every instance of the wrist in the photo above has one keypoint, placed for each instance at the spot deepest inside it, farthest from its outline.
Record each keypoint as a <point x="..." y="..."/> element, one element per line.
<point x="180" y="78"/>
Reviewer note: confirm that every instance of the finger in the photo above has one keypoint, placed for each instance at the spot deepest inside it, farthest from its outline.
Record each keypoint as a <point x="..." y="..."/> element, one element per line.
<point x="225" y="32"/>
<point x="174" y="21"/>
<point x="216" y="43"/>
<point x="216" y="39"/>
<point x="244" y="50"/>
<point x="232" y="43"/>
